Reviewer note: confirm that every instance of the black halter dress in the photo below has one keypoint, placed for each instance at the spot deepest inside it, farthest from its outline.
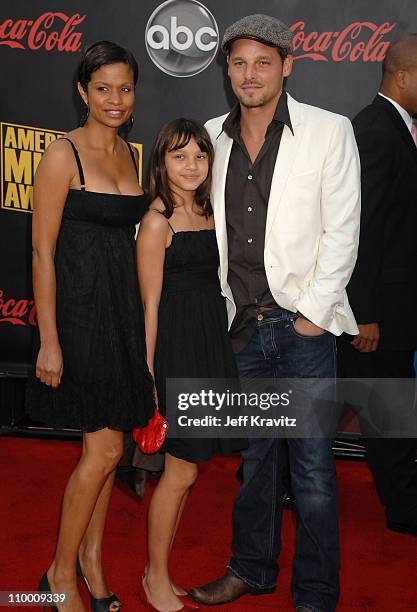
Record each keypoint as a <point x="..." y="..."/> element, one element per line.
<point x="99" y="316"/>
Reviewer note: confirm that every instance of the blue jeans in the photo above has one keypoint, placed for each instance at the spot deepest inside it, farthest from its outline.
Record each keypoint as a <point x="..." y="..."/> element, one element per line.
<point x="277" y="350"/>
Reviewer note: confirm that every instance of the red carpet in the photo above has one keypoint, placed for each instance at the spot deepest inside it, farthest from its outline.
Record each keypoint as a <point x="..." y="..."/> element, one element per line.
<point x="378" y="568"/>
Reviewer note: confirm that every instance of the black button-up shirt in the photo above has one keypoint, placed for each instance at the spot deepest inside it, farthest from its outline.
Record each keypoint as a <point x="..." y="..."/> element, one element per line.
<point x="247" y="193"/>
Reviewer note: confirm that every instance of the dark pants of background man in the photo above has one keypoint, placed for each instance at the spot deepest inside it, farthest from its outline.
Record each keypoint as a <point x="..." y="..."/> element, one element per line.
<point x="392" y="461"/>
<point x="276" y="350"/>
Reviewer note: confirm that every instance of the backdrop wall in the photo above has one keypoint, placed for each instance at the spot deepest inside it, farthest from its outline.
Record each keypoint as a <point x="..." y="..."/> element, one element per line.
<point x="339" y="46"/>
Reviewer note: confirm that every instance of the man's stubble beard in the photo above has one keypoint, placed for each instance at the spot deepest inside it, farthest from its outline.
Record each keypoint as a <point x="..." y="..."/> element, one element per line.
<point x="249" y="101"/>
<point x="253" y="102"/>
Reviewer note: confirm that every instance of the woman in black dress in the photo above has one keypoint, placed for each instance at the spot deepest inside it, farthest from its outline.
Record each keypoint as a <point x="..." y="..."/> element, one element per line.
<point x="90" y="370"/>
<point x="186" y="324"/>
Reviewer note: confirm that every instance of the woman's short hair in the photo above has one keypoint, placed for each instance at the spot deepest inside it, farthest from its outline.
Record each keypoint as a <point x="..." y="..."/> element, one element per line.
<point x="101" y="54"/>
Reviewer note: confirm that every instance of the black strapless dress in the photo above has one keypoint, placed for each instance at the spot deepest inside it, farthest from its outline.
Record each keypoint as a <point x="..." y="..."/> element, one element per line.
<point x="192" y="339"/>
<point x="106" y="381"/>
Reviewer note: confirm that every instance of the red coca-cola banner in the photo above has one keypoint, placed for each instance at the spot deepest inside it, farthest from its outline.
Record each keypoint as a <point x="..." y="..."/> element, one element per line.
<point x="49" y="31"/>
<point x="17" y="311"/>
<point x="360" y="40"/>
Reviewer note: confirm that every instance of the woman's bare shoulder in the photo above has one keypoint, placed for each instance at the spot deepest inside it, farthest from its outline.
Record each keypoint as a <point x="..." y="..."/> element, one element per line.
<point x="59" y="150"/>
<point x="57" y="161"/>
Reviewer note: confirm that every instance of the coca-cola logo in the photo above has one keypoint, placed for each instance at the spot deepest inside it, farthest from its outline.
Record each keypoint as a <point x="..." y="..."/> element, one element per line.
<point x="50" y="31"/>
<point x="360" y="40"/>
<point x="17" y="312"/>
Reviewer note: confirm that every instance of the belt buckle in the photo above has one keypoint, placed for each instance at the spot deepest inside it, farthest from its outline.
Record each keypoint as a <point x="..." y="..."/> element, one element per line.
<point x="262" y="309"/>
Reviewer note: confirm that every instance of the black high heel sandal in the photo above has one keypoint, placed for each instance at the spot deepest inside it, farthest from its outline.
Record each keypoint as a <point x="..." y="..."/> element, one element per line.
<point x="44" y="586"/>
<point x="98" y="605"/>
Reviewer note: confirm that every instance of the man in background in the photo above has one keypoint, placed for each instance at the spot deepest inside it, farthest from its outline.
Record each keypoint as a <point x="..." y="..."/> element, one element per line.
<point x="383" y="287"/>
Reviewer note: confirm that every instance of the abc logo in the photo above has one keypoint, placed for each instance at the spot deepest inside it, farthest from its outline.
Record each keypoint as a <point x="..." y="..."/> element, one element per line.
<point x="182" y="37"/>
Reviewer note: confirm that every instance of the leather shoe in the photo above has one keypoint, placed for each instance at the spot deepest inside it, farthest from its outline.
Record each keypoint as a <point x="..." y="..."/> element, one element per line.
<point x="402" y="528"/>
<point x="220" y="591"/>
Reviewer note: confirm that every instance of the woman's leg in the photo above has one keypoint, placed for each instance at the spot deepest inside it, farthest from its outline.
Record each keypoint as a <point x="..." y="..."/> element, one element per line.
<point x="101" y="453"/>
<point x="90" y="548"/>
<point x="164" y="510"/>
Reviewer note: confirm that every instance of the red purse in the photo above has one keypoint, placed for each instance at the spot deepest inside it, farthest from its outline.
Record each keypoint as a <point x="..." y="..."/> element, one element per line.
<point x="150" y="438"/>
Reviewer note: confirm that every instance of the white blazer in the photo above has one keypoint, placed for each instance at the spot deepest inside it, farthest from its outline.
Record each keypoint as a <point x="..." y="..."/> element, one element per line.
<point x="312" y="225"/>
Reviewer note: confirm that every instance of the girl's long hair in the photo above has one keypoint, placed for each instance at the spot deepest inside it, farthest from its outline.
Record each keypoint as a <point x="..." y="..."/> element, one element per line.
<point x="173" y="136"/>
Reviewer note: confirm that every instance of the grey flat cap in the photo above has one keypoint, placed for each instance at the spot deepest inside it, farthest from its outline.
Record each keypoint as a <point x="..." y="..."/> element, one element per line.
<point x="264" y="28"/>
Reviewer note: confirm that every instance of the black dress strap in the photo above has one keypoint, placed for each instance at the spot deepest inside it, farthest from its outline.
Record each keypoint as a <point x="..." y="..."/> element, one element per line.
<point x="77" y="159"/>
<point x="133" y="159"/>
<point x="172" y="229"/>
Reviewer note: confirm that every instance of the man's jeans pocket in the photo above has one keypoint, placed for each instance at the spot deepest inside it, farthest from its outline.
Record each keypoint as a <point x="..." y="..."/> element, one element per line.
<point x="302" y="335"/>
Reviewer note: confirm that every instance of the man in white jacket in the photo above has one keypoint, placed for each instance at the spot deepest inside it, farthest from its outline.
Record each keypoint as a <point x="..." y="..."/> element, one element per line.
<point x="286" y="198"/>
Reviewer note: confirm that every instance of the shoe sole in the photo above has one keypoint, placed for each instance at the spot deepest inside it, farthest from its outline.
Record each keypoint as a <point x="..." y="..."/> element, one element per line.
<point x="223" y="603"/>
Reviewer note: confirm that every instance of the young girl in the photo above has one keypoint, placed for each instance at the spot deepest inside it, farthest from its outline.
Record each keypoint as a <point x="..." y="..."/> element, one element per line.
<point x="185" y="321"/>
